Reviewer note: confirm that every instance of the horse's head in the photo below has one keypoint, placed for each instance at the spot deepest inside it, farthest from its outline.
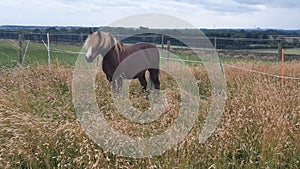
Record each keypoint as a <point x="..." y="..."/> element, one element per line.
<point x="92" y="46"/>
<point x="97" y="43"/>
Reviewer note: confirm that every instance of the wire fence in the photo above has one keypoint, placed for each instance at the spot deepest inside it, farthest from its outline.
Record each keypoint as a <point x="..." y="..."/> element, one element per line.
<point x="221" y="43"/>
<point x="36" y="47"/>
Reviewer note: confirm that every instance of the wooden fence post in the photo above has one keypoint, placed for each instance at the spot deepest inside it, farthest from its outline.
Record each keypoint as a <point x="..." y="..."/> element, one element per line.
<point x="168" y="49"/>
<point x="282" y="70"/>
<point x="279" y="54"/>
<point x="48" y="48"/>
<point x="162" y="41"/>
<point x="81" y="37"/>
<point x="215" y="43"/>
<point x="21" y="37"/>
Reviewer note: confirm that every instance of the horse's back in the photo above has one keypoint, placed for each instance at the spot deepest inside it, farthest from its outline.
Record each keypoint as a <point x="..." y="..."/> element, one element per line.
<point x="144" y="45"/>
<point x="132" y="61"/>
<point x="150" y="50"/>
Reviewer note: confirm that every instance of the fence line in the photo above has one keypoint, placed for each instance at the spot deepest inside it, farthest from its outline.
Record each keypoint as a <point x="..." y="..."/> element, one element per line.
<point x="168" y="42"/>
<point x="224" y="43"/>
<point x="237" y="67"/>
<point x="194" y="61"/>
<point x="264" y="73"/>
<point x="65" y="51"/>
<point x="48" y="49"/>
<point x="26" y="49"/>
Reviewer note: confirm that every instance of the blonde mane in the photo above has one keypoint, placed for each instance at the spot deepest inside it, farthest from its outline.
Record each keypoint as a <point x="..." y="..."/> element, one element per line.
<point x="103" y="42"/>
<point x="120" y="47"/>
<point x="107" y="42"/>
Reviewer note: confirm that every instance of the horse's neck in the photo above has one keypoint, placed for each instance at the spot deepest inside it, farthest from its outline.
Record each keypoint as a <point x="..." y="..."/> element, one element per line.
<point x="120" y="46"/>
<point x="113" y="54"/>
<point x="114" y="50"/>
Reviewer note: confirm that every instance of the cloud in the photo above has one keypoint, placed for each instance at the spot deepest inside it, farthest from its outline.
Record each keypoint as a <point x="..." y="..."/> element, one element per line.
<point x="273" y="3"/>
<point x="230" y="6"/>
<point x="250" y="2"/>
<point x="202" y="13"/>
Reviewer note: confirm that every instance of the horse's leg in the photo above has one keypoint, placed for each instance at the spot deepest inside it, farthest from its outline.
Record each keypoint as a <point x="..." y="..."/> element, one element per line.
<point x="154" y="76"/>
<point x="143" y="82"/>
<point x="117" y="85"/>
<point x="114" y="86"/>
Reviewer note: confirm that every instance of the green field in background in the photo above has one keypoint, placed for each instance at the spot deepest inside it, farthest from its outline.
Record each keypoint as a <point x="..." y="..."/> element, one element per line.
<point x="36" y="54"/>
<point x="295" y="51"/>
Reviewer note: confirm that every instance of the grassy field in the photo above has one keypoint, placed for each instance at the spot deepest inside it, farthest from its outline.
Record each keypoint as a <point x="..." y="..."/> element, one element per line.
<point x="295" y="51"/>
<point x="36" y="53"/>
<point x="39" y="127"/>
<point x="260" y="127"/>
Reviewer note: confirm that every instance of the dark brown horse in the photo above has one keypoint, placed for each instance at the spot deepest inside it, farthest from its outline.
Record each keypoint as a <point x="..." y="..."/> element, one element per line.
<point x="119" y="61"/>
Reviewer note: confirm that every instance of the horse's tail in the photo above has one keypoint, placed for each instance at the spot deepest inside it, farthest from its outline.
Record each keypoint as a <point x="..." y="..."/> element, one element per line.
<point x="154" y="78"/>
<point x="154" y="70"/>
<point x="152" y="56"/>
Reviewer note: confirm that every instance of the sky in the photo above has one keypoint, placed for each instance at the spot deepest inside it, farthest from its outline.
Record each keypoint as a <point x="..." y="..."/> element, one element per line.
<point x="264" y="14"/>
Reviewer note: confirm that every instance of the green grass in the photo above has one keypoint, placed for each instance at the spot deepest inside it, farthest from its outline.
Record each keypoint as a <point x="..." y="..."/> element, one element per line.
<point x="8" y="53"/>
<point x="36" y="54"/>
<point x="192" y="59"/>
<point x="295" y="51"/>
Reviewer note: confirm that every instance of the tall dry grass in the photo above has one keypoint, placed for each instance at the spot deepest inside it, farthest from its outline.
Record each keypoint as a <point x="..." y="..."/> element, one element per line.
<point x="259" y="129"/>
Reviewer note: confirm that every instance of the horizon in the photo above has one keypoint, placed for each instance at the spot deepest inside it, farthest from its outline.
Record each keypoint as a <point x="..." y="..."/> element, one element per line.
<point x="93" y="26"/>
<point x="210" y="14"/>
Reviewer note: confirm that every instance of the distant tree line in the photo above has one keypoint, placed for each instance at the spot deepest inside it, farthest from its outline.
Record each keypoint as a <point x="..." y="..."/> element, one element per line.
<point x="226" y="33"/>
<point x="226" y="38"/>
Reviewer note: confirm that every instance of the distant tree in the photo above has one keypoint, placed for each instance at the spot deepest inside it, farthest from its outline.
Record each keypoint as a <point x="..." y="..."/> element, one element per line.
<point x="265" y="36"/>
<point x="36" y="30"/>
<point x="252" y="35"/>
<point x="51" y="30"/>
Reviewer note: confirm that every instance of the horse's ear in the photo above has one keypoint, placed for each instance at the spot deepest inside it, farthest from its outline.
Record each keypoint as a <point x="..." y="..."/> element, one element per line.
<point x="91" y="31"/>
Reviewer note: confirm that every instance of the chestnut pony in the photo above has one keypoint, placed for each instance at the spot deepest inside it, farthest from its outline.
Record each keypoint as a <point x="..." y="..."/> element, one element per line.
<point x="129" y="62"/>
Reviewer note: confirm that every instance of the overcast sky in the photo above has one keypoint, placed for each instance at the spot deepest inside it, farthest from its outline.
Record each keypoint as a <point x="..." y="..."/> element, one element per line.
<point x="281" y="14"/>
